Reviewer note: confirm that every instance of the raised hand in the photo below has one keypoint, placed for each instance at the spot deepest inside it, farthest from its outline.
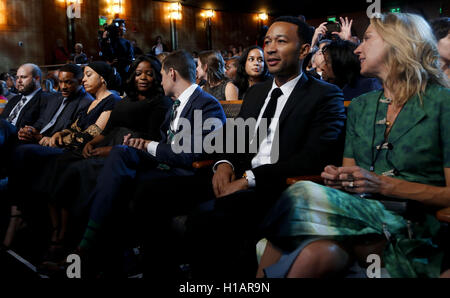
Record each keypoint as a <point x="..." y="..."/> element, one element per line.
<point x="346" y="29"/>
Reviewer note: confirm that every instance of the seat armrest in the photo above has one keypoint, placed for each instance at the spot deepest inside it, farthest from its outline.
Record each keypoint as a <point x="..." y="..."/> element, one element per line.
<point x="443" y="215"/>
<point x="202" y="164"/>
<point x="313" y="178"/>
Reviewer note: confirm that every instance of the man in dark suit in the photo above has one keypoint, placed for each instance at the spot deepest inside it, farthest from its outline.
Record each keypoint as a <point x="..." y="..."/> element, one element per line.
<point x="25" y="108"/>
<point x="305" y="119"/>
<point x="140" y="159"/>
<point x="62" y="112"/>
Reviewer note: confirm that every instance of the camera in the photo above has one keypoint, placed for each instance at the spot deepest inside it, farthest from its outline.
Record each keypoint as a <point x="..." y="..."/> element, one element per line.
<point x="112" y="29"/>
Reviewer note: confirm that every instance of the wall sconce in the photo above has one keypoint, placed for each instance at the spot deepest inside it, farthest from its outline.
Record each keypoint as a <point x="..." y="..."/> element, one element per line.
<point x="68" y="2"/>
<point x="263" y="16"/>
<point x="208" y="14"/>
<point x="2" y="12"/>
<point x="174" y="16"/>
<point x="175" y="11"/>
<point x="115" y="6"/>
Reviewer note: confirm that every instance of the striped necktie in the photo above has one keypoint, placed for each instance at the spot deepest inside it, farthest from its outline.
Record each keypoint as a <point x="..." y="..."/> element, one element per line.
<point x="15" y="112"/>
<point x="173" y="115"/>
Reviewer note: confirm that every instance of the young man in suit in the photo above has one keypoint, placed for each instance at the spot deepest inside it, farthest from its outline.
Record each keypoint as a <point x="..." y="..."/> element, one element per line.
<point x="305" y="121"/>
<point x="146" y="160"/>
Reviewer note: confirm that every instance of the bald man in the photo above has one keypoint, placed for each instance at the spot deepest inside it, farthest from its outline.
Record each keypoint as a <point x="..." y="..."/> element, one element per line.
<point x="26" y="107"/>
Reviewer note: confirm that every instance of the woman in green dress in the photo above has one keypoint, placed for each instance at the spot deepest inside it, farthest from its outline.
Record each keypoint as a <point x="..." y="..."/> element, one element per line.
<point x="395" y="171"/>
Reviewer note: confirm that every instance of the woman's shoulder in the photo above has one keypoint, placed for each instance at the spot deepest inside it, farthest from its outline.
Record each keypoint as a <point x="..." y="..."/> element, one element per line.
<point x="438" y="92"/>
<point x="363" y="100"/>
<point x="110" y="101"/>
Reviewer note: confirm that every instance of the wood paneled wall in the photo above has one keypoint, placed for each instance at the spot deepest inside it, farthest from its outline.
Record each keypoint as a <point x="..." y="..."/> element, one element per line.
<point x="38" y="23"/>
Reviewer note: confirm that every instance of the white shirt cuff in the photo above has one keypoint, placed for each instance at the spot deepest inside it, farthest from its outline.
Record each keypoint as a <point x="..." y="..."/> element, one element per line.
<point x="222" y="161"/>
<point x="151" y="147"/>
<point x="250" y="178"/>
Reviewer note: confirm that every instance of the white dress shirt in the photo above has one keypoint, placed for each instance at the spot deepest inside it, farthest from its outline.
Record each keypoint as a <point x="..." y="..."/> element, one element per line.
<point x="263" y="156"/>
<point x="28" y="97"/>
<point x="184" y="98"/>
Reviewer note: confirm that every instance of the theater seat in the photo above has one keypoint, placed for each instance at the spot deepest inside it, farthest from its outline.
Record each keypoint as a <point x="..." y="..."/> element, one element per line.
<point x="231" y="107"/>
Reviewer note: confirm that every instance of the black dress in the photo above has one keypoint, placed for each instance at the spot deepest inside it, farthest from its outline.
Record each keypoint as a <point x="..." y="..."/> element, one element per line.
<point x="75" y="177"/>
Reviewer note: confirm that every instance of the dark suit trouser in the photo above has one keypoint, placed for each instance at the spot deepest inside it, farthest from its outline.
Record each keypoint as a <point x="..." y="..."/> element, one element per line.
<point x="222" y="241"/>
<point x="160" y="207"/>
<point x="8" y="136"/>
<point x="27" y="173"/>
<point x="128" y="171"/>
<point x="114" y="182"/>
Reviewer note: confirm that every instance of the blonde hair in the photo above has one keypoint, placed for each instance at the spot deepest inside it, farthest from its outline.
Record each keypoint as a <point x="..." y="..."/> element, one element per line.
<point x="412" y="59"/>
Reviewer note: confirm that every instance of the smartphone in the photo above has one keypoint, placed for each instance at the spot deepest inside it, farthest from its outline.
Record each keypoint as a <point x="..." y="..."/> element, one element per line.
<point x="333" y="27"/>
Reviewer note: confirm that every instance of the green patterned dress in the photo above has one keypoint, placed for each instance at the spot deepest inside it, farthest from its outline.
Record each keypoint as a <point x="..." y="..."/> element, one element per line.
<point x="420" y="151"/>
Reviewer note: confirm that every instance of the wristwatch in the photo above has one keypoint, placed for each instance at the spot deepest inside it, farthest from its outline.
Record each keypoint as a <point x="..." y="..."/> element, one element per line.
<point x="245" y="176"/>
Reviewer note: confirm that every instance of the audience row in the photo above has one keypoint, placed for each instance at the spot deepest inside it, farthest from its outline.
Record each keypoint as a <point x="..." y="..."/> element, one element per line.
<point x="96" y="173"/>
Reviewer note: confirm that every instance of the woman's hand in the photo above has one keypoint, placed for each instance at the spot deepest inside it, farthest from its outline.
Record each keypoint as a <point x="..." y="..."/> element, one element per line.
<point x="358" y="180"/>
<point x="346" y="29"/>
<point x="330" y="177"/>
<point x="320" y="31"/>
<point x="352" y="179"/>
<point x="101" y="151"/>
<point x="56" y="140"/>
<point x="87" y="150"/>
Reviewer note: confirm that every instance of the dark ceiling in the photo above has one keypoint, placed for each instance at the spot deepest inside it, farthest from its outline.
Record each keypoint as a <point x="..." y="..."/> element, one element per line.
<point x="309" y="8"/>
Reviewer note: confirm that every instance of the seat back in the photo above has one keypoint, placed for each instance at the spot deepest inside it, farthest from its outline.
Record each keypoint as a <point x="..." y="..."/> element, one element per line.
<point x="231" y="107"/>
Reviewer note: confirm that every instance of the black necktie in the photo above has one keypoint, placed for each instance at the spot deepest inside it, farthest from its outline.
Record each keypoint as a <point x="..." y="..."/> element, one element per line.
<point x="271" y="107"/>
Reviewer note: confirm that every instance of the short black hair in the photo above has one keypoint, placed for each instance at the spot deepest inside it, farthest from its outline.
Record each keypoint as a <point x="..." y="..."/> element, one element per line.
<point x="440" y="27"/>
<point x="344" y="62"/>
<point x="182" y="62"/>
<point x="304" y="31"/>
<point x="76" y="70"/>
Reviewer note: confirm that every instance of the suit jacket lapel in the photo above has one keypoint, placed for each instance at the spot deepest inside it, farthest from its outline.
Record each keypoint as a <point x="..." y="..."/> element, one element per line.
<point x="29" y="105"/>
<point x="188" y="105"/>
<point x="260" y="100"/>
<point x="295" y="98"/>
<point x="166" y="124"/>
<point x="11" y="104"/>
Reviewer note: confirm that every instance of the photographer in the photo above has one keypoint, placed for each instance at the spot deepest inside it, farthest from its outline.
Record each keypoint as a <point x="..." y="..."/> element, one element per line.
<point x="116" y="49"/>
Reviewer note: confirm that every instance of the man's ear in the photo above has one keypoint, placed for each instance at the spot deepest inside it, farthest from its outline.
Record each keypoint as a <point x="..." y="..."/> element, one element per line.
<point x="304" y="51"/>
<point x="173" y="74"/>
